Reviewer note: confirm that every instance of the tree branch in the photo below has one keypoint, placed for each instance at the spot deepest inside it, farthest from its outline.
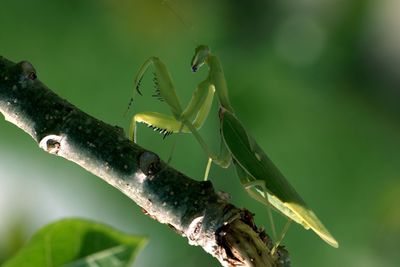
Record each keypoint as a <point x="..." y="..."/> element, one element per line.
<point x="192" y="208"/>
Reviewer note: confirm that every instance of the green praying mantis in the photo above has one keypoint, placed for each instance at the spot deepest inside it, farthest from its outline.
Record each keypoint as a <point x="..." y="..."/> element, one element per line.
<point x="259" y="176"/>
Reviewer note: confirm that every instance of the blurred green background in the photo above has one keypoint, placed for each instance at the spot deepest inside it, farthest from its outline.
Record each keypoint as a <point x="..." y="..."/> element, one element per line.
<point x="317" y="83"/>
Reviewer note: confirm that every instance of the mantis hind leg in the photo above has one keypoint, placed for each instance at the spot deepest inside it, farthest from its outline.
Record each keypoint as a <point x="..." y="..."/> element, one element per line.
<point x="257" y="190"/>
<point x="281" y="236"/>
<point x="262" y="196"/>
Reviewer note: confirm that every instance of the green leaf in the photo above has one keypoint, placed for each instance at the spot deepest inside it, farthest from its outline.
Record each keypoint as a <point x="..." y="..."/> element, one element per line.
<point x="255" y="166"/>
<point x="78" y="242"/>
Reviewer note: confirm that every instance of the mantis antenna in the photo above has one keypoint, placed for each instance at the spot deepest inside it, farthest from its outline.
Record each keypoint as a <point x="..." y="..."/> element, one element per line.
<point x="187" y="25"/>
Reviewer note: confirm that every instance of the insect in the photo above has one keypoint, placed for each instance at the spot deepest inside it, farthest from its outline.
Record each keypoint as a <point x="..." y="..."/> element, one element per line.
<point x="259" y="176"/>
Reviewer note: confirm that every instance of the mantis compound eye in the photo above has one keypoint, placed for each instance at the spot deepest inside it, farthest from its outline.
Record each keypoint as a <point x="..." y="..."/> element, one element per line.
<point x="200" y="57"/>
<point x="194" y="68"/>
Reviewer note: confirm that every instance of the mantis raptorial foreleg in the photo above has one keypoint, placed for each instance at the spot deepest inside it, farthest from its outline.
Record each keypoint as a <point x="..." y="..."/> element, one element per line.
<point x="165" y="91"/>
<point x="181" y="121"/>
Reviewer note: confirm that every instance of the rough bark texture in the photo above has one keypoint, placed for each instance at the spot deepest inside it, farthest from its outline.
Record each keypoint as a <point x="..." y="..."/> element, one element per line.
<point x="192" y="208"/>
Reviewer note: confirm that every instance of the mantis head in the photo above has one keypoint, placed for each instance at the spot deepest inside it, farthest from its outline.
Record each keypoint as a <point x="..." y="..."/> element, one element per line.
<point x="200" y="57"/>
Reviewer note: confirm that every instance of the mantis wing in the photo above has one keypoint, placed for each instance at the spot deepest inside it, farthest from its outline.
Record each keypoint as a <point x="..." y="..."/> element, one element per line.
<point x="252" y="160"/>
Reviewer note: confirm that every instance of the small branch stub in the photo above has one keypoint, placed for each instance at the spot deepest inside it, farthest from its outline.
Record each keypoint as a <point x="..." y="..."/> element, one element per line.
<point x="51" y="144"/>
<point x="149" y="163"/>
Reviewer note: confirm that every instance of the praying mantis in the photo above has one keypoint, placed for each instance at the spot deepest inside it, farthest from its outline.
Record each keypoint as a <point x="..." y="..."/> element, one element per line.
<point x="259" y="176"/>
